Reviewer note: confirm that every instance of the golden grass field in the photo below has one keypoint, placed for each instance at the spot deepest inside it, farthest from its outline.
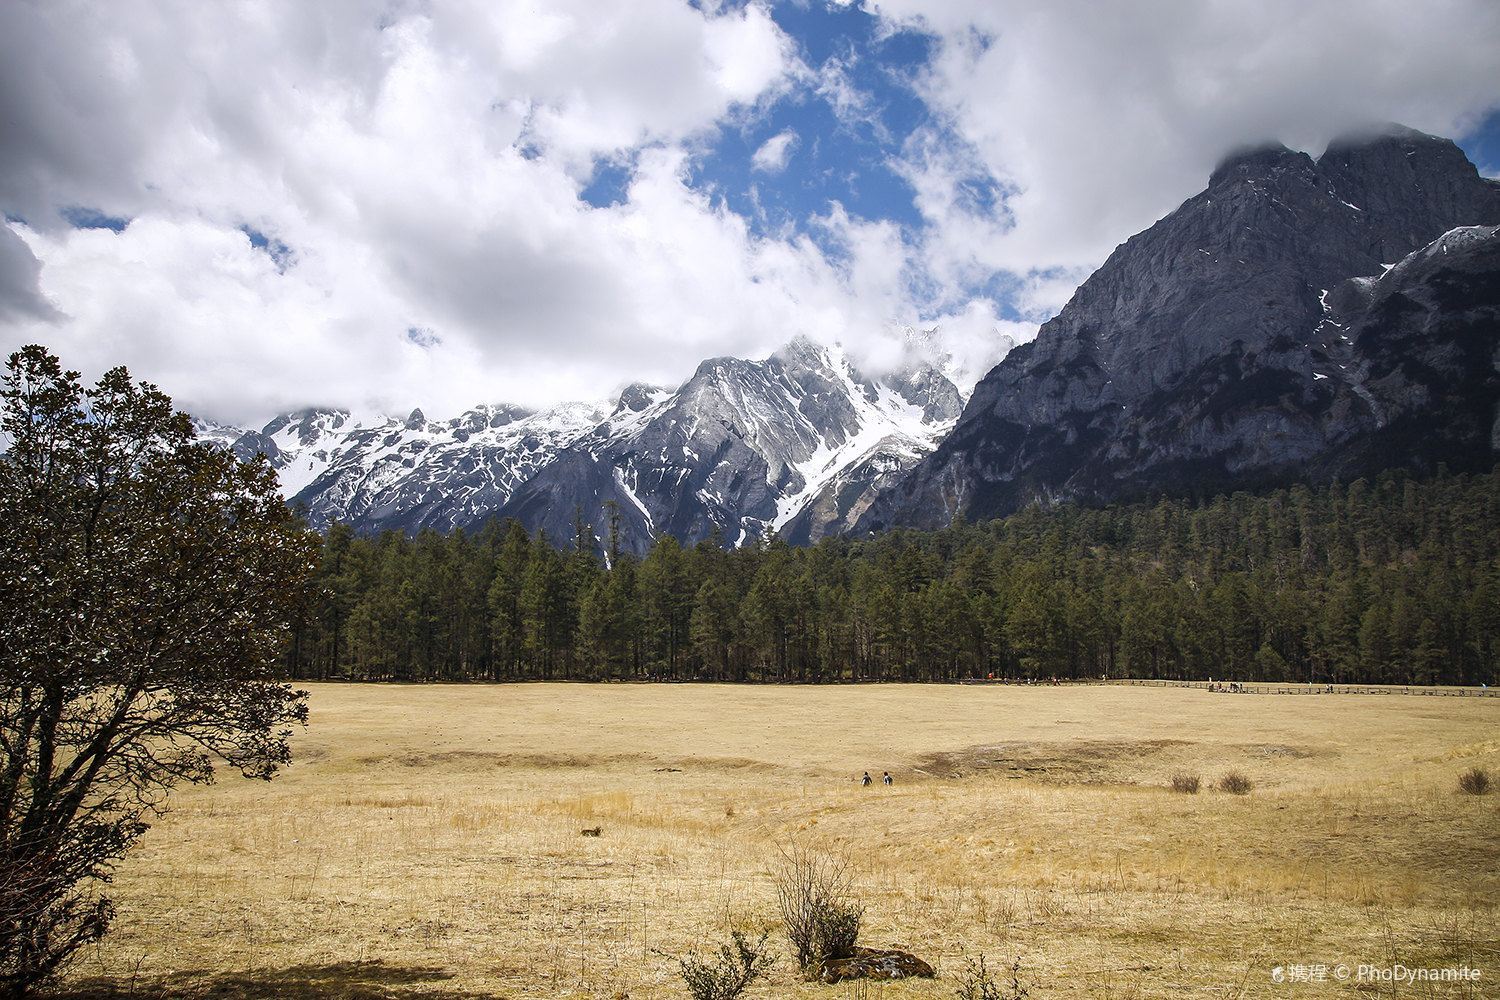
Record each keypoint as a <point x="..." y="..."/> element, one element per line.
<point x="426" y="842"/>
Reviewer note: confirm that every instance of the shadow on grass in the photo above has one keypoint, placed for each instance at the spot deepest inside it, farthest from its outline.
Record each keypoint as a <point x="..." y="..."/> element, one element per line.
<point x="336" y="981"/>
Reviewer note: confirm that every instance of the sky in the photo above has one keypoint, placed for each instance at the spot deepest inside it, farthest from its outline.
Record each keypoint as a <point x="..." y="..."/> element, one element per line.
<point x="264" y="205"/>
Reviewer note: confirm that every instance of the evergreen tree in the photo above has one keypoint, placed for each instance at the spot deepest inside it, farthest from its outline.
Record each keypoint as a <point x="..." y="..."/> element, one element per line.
<point x="148" y="583"/>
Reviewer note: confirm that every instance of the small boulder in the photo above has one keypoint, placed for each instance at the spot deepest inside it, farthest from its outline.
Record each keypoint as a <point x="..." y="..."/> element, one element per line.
<point x="875" y="963"/>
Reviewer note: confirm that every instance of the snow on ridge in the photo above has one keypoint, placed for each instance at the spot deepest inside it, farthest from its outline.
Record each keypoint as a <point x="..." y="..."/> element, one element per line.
<point x="629" y="491"/>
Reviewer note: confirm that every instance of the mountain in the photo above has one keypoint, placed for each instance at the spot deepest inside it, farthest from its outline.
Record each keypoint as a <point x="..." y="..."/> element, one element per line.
<point x="1296" y="320"/>
<point x="800" y="442"/>
<point x="214" y="433"/>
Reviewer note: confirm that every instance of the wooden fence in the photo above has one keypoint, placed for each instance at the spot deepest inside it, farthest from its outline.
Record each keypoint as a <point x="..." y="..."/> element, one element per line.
<point x="1255" y="687"/>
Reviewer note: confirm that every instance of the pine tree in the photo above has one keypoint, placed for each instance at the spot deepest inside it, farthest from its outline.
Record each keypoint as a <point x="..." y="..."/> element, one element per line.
<point x="507" y="625"/>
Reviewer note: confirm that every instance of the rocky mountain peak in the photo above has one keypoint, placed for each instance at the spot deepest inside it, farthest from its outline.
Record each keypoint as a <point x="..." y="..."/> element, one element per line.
<point x="639" y="395"/>
<point x="928" y="389"/>
<point x="1260" y="160"/>
<point x="1215" y="348"/>
<point x="802" y="352"/>
<point x="1409" y="186"/>
<point x="489" y="415"/>
<point x="1386" y="135"/>
<point x="307" y="424"/>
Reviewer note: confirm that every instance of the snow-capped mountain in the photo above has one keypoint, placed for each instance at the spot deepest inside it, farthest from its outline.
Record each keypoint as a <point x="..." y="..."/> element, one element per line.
<point x="798" y="443"/>
<point x="212" y="432"/>
<point x="412" y="473"/>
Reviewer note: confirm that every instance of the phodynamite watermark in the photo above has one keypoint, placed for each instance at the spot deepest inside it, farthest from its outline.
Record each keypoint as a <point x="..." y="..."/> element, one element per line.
<point x="1396" y="973"/>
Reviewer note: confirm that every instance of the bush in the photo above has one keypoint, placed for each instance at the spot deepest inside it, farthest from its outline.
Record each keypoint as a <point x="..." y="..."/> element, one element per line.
<point x="1235" y="783"/>
<point x="836" y="931"/>
<point x="816" y="895"/>
<point x="1187" y="784"/>
<point x="739" y="963"/>
<point x="976" y="982"/>
<point x="1474" y="781"/>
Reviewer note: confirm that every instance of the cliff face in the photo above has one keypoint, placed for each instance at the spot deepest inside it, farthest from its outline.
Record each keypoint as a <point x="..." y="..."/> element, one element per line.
<point x="1297" y="318"/>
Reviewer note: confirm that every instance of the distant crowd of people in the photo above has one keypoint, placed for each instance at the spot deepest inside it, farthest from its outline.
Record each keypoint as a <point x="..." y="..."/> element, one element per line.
<point x="1235" y="687"/>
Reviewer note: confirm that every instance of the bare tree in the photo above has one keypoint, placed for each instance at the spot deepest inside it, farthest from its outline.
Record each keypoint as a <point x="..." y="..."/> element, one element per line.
<point x="146" y="585"/>
<point x="815" y="891"/>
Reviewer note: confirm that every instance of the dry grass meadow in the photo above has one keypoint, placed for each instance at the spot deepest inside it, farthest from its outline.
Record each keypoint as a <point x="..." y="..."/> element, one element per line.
<point x="426" y="843"/>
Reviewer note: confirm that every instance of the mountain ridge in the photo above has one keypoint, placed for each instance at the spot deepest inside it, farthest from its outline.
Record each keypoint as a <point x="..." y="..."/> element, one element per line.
<point x="799" y="441"/>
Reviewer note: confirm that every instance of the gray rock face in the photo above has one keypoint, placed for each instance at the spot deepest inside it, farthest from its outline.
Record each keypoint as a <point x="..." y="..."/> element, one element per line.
<point x="1206" y="352"/>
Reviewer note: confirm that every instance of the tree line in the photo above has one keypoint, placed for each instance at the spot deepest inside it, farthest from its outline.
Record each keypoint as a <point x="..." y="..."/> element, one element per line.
<point x="1395" y="580"/>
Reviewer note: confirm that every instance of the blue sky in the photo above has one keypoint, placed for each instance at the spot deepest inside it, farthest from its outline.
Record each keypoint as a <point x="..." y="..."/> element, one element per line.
<point x="836" y="155"/>
<point x="378" y="205"/>
<point x="1482" y="144"/>
<point x="834" y="159"/>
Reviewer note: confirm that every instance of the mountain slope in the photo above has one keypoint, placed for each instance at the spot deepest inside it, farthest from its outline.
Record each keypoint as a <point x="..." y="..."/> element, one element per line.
<point x="1227" y="346"/>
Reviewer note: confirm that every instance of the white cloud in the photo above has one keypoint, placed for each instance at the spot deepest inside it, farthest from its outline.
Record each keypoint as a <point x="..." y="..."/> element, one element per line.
<point x="851" y="105"/>
<point x="1100" y="118"/>
<point x="773" y="154"/>
<point x="977" y="338"/>
<point x="424" y="170"/>
<point x="20" y="271"/>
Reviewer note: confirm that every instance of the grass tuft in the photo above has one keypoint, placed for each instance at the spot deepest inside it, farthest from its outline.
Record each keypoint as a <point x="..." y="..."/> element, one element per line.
<point x="1474" y="781"/>
<point x="1235" y="783"/>
<point x="1187" y="784"/>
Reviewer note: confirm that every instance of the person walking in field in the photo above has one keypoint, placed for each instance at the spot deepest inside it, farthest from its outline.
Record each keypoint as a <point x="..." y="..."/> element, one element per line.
<point x="886" y="779"/>
<point x="865" y="781"/>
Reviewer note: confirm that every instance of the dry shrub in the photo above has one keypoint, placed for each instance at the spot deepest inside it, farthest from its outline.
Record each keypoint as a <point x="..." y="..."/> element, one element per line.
<point x="1235" y="783"/>
<point x="738" y="964"/>
<point x="815" y="891"/>
<point x="1187" y="784"/>
<point x="1474" y="781"/>
<point x="976" y="982"/>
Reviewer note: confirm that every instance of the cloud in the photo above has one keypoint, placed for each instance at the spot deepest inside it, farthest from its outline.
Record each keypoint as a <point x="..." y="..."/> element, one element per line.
<point x="21" y="296"/>
<point x="851" y="104"/>
<point x="377" y="203"/>
<point x="293" y="188"/>
<point x="1095" y="120"/>
<point x="976" y="338"/>
<point x="773" y="154"/>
